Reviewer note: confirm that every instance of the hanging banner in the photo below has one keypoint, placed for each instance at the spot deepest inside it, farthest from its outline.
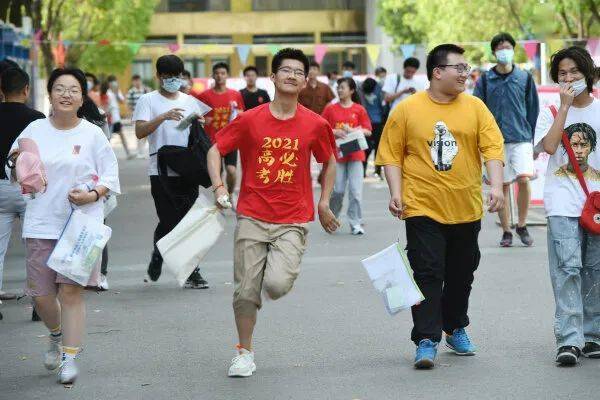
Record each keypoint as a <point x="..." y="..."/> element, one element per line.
<point x="408" y="50"/>
<point x="173" y="47"/>
<point x="59" y="53"/>
<point x="373" y="51"/>
<point x="320" y="51"/>
<point x="134" y="47"/>
<point x="593" y="46"/>
<point x="273" y="48"/>
<point x="104" y="42"/>
<point x="531" y="49"/>
<point x="243" y="51"/>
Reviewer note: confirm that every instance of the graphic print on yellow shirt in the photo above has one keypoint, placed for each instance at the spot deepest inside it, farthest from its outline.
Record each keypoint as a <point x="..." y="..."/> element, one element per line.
<point x="439" y="147"/>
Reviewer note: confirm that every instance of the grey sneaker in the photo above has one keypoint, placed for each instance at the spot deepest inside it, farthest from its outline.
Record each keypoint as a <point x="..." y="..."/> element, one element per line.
<point x="591" y="350"/>
<point x="52" y="356"/>
<point x="526" y="238"/>
<point x="507" y="239"/>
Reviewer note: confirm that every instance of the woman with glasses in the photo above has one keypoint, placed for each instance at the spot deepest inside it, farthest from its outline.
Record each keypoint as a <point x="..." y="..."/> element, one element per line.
<point x="344" y="117"/>
<point x="81" y="170"/>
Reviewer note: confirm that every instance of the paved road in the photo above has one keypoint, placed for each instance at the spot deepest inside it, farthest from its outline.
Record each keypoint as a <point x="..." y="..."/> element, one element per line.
<point x="329" y="339"/>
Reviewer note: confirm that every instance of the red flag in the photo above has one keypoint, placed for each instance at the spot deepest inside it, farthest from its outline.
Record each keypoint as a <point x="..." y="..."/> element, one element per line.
<point x="531" y="49"/>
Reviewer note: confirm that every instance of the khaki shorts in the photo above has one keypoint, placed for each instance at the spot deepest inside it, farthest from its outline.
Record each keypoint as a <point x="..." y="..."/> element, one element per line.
<point x="41" y="279"/>
<point x="266" y="256"/>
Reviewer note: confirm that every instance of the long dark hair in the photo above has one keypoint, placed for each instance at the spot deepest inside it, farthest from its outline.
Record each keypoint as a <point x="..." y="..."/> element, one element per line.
<point x="88" y="110"/>
<point x="352" y="85"/>
<point x="583" y="60"/>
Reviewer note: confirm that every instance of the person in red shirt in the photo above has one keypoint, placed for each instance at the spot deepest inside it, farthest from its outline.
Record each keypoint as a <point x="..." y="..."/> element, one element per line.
<point x="276" y="141"/>
<point x="226" y="104"/>
<point x="345" y="117"/>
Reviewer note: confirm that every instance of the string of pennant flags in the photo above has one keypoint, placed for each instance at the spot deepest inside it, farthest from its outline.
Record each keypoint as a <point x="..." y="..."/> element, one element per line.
<point x="60" y="47"/>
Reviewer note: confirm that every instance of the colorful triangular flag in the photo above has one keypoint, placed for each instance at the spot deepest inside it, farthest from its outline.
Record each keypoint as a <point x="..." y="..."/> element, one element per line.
<point x="531" y="49"/>
<point x="320" y="51"/>
<point x="243" y="51"/>
<point x="373" y="51"/>
<point x="173" y="47"/>
<point x="134" y="47"/>
<point x="408" y="50"/>
<point x="273" y="48"/>
<point x="593" y="46"/>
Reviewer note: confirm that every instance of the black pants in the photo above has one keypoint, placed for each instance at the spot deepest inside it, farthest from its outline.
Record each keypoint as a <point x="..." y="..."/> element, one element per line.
<point x="444" y="259"/>
<point x="373" y="142"/>
<point x="172" y="203"/>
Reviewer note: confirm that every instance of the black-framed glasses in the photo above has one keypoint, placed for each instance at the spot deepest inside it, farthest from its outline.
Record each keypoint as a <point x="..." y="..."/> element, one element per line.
<point x="460" y="68"/>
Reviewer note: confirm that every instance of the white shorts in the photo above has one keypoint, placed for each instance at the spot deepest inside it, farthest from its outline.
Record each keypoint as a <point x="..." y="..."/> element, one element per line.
<point x="518" y="161"/>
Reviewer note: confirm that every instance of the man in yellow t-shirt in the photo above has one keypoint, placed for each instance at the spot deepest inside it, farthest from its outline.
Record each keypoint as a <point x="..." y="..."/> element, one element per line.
<point x="431" y="148"/>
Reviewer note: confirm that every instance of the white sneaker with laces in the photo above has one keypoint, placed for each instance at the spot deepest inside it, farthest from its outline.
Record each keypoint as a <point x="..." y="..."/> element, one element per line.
<point x="52" y="356"/>
<point x="242" y="365"/>
<point x="357" y="230"/>
<point x="103" y="285"/>
<point x="68" y="371"/>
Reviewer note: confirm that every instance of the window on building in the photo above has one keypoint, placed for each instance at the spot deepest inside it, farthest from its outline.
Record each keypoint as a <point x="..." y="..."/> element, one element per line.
<point x="277" y="39"/>
<point x="217" y="59"/>
<point x="161" y="39"/>
<point x="145" y="69"/>
<point x="207" y="39"/>
<point x="344" y="37"/>
<point x="196" y="66"/>
<point x="262" y="65"/>
<point x="277" y="5"/>
<point x="197" y="5"/>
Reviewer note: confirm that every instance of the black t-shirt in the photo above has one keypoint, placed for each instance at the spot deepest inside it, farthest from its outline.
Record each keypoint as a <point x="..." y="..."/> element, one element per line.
<point x="254" y="99"/>
<point x="14" y="118"/>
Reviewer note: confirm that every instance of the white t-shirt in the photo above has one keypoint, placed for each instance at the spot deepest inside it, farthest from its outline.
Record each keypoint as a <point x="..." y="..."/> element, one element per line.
<point x="392" y="86"/>
<point x="563" y="195"/>
<point x="113" y="105"/>
<point x="150" y="106"/>
<point x="71" y="158"/>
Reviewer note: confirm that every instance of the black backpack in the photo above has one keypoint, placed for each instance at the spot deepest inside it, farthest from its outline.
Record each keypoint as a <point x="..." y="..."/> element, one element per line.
<point x="188" y="162"/>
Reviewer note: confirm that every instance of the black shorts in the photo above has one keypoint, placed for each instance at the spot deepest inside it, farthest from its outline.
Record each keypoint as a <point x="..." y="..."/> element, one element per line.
<point x="116" y="127"/>
<point x="230" y="159"/>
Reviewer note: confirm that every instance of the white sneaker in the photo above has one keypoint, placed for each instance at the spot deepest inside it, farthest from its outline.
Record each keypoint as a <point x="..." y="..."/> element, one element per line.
<point x="103" y="285"/>
<point x="242" y="365"/>
<point x="52" y="356"/>
<point x="357" y="230"/>
<point x="68" y="371"/>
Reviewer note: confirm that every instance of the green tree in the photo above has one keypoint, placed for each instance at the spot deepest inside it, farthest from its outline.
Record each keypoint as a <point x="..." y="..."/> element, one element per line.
<point x="432" y="21"/>
<point x="92" y="21"/>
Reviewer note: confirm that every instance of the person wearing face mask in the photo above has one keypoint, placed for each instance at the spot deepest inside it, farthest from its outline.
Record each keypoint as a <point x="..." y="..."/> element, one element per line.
<point x="73" y="149"/>
<point x="511" y="95"/>
<point x="573" y="253"/>
<point x="156" y="117"/>
<point x="432" y="148"/>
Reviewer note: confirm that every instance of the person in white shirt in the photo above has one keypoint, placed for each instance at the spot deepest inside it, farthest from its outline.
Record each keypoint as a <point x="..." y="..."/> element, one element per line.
<point x="112" y="97"/>
<point x="156" y="117"/>
<point x="397" y="88"/>
<point x="573" y="252"/>
<point x="81" y="169"/>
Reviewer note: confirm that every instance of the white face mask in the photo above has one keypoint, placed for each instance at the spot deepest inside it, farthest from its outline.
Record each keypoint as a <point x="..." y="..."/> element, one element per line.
<point x="578" y="86"/>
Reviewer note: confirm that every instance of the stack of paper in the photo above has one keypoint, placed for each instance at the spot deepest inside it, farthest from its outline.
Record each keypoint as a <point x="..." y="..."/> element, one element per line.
<point x="392" y="277"/>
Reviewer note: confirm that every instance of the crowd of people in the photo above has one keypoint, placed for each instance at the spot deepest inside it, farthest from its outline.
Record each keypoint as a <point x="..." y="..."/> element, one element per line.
<point x="429" y="142"/>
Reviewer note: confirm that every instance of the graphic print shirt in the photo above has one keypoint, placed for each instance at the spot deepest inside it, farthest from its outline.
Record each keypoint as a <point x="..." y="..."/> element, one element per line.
<point x="439" y="147"/>
<point x="563" y="195"/>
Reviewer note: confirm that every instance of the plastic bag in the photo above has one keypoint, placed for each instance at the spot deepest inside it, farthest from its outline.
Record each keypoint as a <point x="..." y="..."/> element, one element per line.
<point x="391" y="275"/>
<point x="110" y="204"/>
<point x="189" y="242"/>
<point x="79" y="247"/>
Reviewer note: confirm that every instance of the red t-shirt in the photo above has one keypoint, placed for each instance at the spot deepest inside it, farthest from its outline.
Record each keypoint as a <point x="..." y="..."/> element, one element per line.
<point x="354" y="116"/>
<point x="221" y="104"/>
<point x="275" y="155"/>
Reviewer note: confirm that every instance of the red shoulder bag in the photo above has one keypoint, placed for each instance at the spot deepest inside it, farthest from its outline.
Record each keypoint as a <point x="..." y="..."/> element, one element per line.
<point x="590" y="215"/>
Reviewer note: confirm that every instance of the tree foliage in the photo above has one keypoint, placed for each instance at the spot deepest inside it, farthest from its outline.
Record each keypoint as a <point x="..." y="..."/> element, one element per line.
<point x="92" y="21"/>
<point x="432" y="21"/>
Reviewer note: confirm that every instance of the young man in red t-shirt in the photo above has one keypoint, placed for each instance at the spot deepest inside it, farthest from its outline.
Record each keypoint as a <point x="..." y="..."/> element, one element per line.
<point x="226" y="104"/>
<point x="276" y="141"/>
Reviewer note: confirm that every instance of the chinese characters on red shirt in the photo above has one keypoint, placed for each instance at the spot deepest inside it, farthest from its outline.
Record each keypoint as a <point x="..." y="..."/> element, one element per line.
<point x="284" y="150"/>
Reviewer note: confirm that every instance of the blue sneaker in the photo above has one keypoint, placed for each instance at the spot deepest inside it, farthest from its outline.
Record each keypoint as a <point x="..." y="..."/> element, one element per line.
<point x="426" y="352"/>
<point x="460" y="343"/>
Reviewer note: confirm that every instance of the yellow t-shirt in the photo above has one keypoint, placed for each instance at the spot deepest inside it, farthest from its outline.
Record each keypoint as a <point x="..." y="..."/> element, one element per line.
<point x="439" y="147"/>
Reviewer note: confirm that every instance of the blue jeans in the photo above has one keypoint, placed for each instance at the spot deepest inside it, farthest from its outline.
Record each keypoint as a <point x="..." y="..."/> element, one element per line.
<point x="12" y="206"/>
<point x="574" y="258"/>
<point x="348" y="174"/>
